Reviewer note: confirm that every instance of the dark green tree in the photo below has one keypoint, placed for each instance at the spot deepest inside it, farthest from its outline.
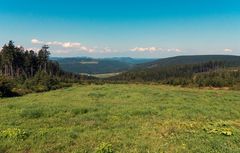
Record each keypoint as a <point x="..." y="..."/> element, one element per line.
<point x="7" y="58"/>
<point x="43" y="56"/>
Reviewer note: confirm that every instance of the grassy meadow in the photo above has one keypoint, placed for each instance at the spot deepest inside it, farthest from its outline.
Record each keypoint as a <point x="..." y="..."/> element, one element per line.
<point x="122" y="118"/>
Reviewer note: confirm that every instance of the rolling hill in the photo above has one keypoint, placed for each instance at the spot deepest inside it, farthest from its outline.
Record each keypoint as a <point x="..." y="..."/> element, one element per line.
<point x="98" y="66"/>
<point x="195" y="59"/>
<point x="187" y="70"/>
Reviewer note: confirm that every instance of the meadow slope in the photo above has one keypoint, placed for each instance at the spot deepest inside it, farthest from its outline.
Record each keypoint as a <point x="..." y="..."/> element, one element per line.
<point x="130" y="118"/>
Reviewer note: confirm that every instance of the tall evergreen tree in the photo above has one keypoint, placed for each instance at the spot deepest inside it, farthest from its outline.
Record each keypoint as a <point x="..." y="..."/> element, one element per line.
<point x="7" y="58"/>
<point x="18" y="61"/>
<point x="43" y="56"/>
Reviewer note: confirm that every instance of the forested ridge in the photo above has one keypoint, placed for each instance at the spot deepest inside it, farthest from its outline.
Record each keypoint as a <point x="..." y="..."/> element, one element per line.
<point x="23" y="71"/>
<point x="191" y="59"/>
<point x="99" y="65"/>
<point x="92" y="66"/>
<point x="208" y="74"/>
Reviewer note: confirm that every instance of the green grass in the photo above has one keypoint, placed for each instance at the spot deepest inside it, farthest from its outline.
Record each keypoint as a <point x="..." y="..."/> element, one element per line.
<point x="122" y="118"/>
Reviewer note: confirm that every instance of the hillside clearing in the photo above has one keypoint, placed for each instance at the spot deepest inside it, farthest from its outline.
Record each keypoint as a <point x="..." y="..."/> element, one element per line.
<point x="131" y="118"/>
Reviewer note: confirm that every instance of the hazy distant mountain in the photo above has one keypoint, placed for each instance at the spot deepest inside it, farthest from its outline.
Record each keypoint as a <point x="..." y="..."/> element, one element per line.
<point x="98" y="65"/>
<point x="130" y="60"/>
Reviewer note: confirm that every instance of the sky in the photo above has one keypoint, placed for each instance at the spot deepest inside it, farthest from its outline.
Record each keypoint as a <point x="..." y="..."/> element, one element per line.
<point x="123" y="28"/>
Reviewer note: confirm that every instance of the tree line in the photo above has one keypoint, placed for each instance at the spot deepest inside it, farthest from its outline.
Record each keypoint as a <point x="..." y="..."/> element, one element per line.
<point x="23" y="71"/>
<point x="209" y="74"/>
<point x="16" y="62"/>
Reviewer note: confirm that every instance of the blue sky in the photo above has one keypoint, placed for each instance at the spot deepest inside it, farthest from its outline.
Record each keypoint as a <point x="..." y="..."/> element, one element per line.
<point x="106" y="28"/>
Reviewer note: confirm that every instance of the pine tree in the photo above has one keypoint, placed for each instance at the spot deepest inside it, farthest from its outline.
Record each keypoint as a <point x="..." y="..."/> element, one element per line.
<point x="8" y="52"/>
<point x="43" y="56"/>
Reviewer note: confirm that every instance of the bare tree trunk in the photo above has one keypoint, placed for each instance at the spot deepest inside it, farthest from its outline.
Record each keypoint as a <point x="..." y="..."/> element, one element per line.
<point x="24" y="73"/>
<point x="31" y="71"/>
<point x="6" y="70"/>
<point x="11" y="71"/>
<point x="18" y="72"/>
<point x="40" y="67"/>
<point x="45" y="67"/>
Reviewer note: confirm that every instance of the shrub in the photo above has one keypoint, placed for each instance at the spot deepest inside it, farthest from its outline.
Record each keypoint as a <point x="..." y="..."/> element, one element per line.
<point x="6" y="86"/>
<point x="41" y="82"/>
<point x="21" y="91"/>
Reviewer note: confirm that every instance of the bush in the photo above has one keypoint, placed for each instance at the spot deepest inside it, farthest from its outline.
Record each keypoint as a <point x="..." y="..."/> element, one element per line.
<point x="20" y="91"/>
<point x="6" y="86"/>
<point x="41" y="82"/>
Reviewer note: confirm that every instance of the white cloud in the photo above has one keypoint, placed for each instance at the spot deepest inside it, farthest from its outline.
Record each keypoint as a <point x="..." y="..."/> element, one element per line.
<point x="228" y="50"/>
<point x="174" y="50"/>
<point x="65" y="45"/>
<point x="74" y="48"/>
<point x="146" y="49"/>
<point x="35" y="41"/>
<point x="178" y="50"/>
<point x="155" y="49"/>
<point x="106" y="50"/>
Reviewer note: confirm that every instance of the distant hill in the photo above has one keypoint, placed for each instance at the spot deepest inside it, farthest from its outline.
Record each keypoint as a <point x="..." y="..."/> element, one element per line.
<point x="204" y="70"/>
<point x="130" y="60"/>
<point x="195" y="59"/>
<point x="98" y="66"/>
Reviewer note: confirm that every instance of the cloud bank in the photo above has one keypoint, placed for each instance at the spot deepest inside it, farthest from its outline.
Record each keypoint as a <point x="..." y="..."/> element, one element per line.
<point x="77" y="48"/>
<point x="65" y="45"/>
